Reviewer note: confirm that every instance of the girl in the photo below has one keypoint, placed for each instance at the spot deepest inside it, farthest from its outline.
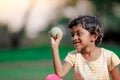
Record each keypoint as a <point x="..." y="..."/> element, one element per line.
<point x="89" y="61"/>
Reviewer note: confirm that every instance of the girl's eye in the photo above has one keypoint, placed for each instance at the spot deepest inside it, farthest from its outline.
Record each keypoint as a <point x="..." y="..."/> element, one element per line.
<point x="72" y="35"/>
<point x="79" y="34"/>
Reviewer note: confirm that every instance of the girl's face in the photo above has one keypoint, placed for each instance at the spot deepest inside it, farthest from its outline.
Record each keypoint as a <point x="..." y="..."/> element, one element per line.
<point x="81" y="38"/>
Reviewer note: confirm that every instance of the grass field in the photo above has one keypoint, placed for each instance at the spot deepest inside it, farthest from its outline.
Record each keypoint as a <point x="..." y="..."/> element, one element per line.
<point x="37" y="70"/>
<point x="32" y="63"/>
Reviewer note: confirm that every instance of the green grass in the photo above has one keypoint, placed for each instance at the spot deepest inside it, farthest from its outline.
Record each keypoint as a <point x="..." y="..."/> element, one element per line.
<point x="24" y="70"/>
<point x="37" y="70"/>
<point x="33" y="63"/>
<point x="39" y="53"/>
<point x="30" y="54"/>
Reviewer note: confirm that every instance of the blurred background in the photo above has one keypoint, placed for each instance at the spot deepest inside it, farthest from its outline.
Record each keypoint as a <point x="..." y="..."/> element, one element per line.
<point x="25" y="52"/>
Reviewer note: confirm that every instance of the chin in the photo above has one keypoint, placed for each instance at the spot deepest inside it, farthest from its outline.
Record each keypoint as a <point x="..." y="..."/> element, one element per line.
<point x="78" y="48"/>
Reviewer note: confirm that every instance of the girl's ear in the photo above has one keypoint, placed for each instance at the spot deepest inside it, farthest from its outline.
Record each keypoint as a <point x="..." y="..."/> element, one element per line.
<point x="94" y="37"/>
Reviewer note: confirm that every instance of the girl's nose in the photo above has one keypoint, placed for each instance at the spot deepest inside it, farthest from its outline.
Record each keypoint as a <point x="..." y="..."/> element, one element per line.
<point x="75" y="37"/>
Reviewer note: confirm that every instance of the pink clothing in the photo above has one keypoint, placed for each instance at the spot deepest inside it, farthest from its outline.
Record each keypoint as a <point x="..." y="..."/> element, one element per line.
<point x="53" y="77"/>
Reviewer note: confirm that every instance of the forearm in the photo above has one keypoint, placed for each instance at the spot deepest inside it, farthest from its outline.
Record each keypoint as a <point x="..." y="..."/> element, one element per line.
<point x="57" y="62"/>
<point x="60" y="70"/>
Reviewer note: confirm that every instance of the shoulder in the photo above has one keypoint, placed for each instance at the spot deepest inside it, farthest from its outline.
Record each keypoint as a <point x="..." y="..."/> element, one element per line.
<point x="110" y="55"/>
<point x="107" y="52"/>
<point x="72" y="53"/>
<point x="71" y="57"/>
<point x="112" y="59"/>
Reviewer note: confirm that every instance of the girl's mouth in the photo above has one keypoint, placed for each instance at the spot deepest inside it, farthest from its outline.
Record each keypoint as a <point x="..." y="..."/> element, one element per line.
<point x="76" y="43"/>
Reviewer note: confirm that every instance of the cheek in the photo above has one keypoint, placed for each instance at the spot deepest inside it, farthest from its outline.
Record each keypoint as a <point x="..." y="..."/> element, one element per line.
<point x="86" y="39"/>
<point x="72" y="40"/>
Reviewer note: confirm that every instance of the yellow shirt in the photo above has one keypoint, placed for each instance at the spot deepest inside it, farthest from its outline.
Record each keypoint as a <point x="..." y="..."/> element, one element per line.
<point x="94" y="70"/>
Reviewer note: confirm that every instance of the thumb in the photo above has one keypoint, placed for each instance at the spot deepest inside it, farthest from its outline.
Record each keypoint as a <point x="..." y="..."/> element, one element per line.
<point x="59" y="36"/>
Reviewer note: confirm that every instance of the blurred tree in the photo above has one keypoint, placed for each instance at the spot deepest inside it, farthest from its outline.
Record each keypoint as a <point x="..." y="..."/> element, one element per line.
<point x="4" y="37"/>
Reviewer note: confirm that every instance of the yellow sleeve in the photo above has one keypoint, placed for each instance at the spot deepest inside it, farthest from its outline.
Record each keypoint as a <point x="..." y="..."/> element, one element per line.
<point x="113" y="61"/>
<point x="70" y="58"/>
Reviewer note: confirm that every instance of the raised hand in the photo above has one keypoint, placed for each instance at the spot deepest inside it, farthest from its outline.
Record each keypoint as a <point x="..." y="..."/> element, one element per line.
<point x="55" y="41"/>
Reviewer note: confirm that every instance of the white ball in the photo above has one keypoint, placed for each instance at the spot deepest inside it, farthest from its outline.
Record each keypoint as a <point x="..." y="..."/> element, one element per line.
<point x="54" y="31"/>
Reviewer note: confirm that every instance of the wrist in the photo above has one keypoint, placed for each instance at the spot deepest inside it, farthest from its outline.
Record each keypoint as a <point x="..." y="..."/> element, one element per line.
<point x="55" y="47"/>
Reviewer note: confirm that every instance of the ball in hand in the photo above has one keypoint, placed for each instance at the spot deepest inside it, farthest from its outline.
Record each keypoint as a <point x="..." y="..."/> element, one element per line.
<point x="54" y="31"/>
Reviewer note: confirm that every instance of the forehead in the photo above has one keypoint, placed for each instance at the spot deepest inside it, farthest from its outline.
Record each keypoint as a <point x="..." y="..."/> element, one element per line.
<point x="77" y="28"/>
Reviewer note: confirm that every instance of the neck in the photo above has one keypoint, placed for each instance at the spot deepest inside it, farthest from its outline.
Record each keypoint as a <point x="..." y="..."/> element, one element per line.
<point x="88" y="50"/>
<point x="91" y="53"/>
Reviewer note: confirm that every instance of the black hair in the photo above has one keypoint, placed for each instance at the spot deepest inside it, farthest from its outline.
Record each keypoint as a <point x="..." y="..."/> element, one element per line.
<point x="91" y="24"/>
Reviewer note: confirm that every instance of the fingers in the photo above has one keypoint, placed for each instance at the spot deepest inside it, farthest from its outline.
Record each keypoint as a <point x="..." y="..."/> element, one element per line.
<point x="78" y="76"/>
<point x="55" y="41"/>
<point x="59" y="36"/>
<point x="51" y="38"/>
